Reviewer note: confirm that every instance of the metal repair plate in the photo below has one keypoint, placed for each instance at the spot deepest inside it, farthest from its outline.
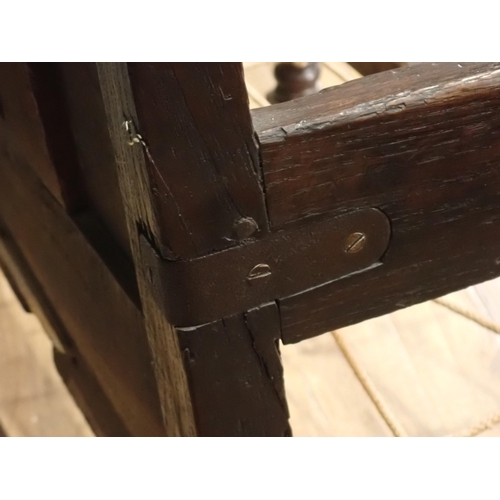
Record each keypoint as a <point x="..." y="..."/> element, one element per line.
<point x="280" y="264"/>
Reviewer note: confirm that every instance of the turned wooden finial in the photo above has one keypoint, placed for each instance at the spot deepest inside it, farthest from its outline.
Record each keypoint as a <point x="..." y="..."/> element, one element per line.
<point x="295" y="79"/>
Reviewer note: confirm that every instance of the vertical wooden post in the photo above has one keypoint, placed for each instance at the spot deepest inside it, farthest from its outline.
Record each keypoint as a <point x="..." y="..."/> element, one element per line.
<point x="189" y="176"/>
<point x="201" y="155"/>
<point x="141" y="219"/>
<point x="235" y="374"/>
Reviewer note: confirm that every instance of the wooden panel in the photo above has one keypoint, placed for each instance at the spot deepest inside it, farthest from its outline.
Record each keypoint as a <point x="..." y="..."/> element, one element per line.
<point x="235" y="374"/>
<point x="93" y="145"/>
<point x="421" y="144"/>
<point x="34" y="122"/>
<point x="201" y="155"/>
<point x="103" y="322"/>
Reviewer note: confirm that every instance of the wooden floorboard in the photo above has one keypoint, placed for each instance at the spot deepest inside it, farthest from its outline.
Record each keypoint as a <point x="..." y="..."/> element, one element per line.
<point x="493" y="431"/>
<point x="324" y="396"/>
<point x="436" y="371"/>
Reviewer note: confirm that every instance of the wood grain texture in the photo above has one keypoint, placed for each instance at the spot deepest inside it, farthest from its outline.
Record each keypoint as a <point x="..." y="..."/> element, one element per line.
<point x="105" y="325"/>
<point x="235" y="374"/>
<point x="85" y="389"/>
<point x="375" y="139"/>
<point x="436" y="371"/>
<point x="34" y="121"/>
<point x="421" y="144"/>
<point x="324" y="395"/>
<point x="93" y="146"/>
<point x="142" y="222"/>
<point x="202" y="157"/>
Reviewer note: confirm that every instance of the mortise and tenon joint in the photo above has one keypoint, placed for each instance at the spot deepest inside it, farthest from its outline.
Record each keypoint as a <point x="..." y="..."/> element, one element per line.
<point x="278" y="265"/>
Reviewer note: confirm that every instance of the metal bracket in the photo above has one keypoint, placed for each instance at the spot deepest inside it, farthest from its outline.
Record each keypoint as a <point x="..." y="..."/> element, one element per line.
<point x="281" y="264"/>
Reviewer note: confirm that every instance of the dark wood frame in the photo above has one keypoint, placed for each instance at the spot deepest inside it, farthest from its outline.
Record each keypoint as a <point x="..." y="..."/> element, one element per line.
<point x="111" y="173"/>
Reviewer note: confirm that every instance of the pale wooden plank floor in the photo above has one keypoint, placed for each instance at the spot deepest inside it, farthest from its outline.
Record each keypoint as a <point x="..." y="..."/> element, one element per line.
<point x="438" y="373"/>
<point x="33" y="399"/>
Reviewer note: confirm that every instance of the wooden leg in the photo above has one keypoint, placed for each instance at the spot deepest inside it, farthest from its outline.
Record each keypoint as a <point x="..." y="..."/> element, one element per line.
<point x="218" y="379"/>
<point x="295" y="79"/>
<point x="235" y="375"/>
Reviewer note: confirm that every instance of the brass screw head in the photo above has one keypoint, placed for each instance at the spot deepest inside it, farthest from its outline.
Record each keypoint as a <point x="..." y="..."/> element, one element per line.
<point x="258" y="272"/>
<point x="355" y="242"/>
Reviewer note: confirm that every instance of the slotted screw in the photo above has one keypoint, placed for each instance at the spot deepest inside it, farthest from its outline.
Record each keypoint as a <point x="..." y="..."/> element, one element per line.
<point x="355" y="242"/>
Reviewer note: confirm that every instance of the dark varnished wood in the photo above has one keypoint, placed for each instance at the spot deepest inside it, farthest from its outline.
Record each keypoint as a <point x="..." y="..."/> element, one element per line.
<point x="82" y="384"/>
<point x="105" y="326"/>
<point x="143" y="222"/>
<point x="34" y="121"/>
<point x="232" y="382"/>
<point x="169" y="161"/>
<point x="235" y="374"/>
<point x="88" y="280"/>
<point x="93" y="146"/>
<point x="421" y="144"/>
<point x="202" y="290"/>
<point x="202" y="159"/>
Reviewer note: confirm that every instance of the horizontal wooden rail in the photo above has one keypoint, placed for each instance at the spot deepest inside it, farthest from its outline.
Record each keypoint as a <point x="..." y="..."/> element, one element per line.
<point x="420" y="143"/>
